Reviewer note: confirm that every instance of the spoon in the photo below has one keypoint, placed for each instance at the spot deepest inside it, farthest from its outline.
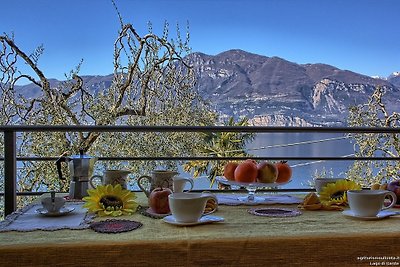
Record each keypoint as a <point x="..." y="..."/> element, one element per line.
<point x="53" y="200"/>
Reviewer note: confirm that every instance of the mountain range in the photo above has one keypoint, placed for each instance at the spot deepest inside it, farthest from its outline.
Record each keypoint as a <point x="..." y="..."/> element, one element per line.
<point x="274" y="91"/>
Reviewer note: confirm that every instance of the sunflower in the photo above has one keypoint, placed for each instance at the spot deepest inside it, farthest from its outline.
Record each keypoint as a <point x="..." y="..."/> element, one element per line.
<point x="109" y="200"/>
<point x="335" y="193"/>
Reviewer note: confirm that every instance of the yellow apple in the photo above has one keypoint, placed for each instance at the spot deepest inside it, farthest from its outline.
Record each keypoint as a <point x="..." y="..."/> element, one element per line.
<point x="267" y="172"/>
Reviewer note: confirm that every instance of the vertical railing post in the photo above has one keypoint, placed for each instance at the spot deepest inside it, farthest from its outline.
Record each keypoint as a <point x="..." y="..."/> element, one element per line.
<point x="10" y="172"/>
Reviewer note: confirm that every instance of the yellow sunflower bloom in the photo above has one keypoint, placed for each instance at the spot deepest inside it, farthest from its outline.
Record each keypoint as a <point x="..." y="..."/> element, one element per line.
<point x="335" y="193"/>
<point x="109" y="200"/>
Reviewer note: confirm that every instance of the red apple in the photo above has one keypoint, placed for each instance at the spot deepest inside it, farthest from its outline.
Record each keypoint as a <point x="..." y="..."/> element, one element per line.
<point x="158" y="200"/>
<point x="395" y="187"/>
<point x="267" y="172"/>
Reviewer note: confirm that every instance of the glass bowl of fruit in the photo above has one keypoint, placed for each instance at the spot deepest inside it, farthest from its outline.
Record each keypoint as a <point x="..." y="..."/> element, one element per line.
<point x="252" y="176"/>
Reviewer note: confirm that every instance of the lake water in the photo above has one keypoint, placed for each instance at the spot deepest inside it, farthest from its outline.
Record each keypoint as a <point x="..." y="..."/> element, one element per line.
<point x="299" y="144"/>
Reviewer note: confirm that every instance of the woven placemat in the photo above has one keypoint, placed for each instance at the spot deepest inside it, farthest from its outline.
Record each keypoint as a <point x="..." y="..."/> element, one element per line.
<point x="148" y="212"/>
<point x="152" y="214"/>
<point x="114" y="226"/>
<point x="275" y="212"/>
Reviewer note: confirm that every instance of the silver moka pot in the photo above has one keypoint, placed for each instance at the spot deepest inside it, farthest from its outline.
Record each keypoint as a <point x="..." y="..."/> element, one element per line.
<point x="81" y="169"/>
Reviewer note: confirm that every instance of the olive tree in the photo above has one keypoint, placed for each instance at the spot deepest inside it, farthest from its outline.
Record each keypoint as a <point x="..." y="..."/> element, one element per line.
<point x="222" y="144"/>
<point x="153" y="84"/>
<point x="374" y="113"/>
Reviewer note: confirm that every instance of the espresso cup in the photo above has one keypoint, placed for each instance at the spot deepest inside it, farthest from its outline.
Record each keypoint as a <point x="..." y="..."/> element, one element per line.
<point x="179" y="183"/>
<point x="188" y="207"/>
<point x="320" y="183"/>
<point x="53" y="205"/>
<point x="368" y="203"/>
<point x="112" y="177"/>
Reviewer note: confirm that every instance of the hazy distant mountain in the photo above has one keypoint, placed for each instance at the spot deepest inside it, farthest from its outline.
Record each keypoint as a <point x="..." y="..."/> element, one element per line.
<point x="274" y="91"/>
<point x="94" y="83"/>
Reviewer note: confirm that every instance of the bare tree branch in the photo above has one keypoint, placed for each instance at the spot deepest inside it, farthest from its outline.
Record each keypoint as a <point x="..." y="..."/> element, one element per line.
<point x="44" y="82"/>
<point x="76" y="87"/>
<point x="375" y="114"/>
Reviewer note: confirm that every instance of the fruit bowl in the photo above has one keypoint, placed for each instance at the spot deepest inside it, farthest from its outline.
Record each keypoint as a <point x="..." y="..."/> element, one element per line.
<point x="250" y="187"/>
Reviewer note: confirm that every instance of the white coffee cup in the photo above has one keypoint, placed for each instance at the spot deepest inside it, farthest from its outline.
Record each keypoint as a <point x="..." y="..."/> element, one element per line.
<point x="320" y="183"/>
<point x="179" y="183"/>
<point x="53" y="204"/>
<point x="188" y="207"/>
<point x="368" y="203"/>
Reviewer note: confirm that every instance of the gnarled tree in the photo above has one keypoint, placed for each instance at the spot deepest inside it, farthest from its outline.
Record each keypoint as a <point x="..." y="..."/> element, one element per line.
<point x="375" y="114"/>
<point x="152" y="84"/>
<point x="222" y="144"/>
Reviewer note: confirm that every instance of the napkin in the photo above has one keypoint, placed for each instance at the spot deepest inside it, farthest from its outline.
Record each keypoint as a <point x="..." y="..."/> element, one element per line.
<point x="28" y="219"/>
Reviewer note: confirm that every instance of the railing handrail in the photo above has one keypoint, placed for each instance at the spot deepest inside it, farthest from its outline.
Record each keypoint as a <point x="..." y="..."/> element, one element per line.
<point x="322" y="158"/>
<point x="10" y="137"/>
<point x="255" y="129"/>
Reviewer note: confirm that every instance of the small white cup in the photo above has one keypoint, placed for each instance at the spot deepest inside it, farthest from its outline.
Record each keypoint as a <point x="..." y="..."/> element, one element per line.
<point x="320" y="183"/>
<point x="188" y="207"/>
<point x="53" y="206"/>
<point x="178" y="184"/>
<point x="368" y="203"/>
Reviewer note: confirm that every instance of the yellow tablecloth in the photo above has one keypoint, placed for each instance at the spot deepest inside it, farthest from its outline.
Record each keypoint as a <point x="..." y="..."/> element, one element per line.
<point x="315" y="238"/>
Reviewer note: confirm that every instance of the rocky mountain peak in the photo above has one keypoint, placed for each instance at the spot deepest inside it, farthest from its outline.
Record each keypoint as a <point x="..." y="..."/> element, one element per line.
<point x="239" y="83"/>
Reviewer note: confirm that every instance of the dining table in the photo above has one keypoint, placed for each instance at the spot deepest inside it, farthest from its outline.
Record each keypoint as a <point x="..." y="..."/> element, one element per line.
<point x="270" y="234"/>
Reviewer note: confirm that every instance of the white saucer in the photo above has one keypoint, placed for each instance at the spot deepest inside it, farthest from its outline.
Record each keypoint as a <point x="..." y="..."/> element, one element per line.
<point x="205" y="219"/>
<point x="381" y="215"/>
<point x="61" y="212"/>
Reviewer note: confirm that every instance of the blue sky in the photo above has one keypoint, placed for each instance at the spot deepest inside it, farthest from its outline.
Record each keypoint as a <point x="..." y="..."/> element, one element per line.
<point x="357" y="35"/>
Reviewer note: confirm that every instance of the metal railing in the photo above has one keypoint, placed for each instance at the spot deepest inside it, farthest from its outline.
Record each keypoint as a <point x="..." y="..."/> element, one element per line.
<point x="10" y="153"/>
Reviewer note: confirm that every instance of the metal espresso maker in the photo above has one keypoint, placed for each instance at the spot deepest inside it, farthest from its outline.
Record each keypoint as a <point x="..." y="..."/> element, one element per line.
<point x="81" y="169"/>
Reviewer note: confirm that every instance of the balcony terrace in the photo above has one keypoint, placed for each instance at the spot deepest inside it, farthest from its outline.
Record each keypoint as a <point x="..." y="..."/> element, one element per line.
<point x="10" y="152"/>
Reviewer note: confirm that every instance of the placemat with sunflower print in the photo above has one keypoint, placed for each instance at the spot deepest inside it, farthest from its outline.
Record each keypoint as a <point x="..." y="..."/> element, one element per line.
<point x="30" y="218"/>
